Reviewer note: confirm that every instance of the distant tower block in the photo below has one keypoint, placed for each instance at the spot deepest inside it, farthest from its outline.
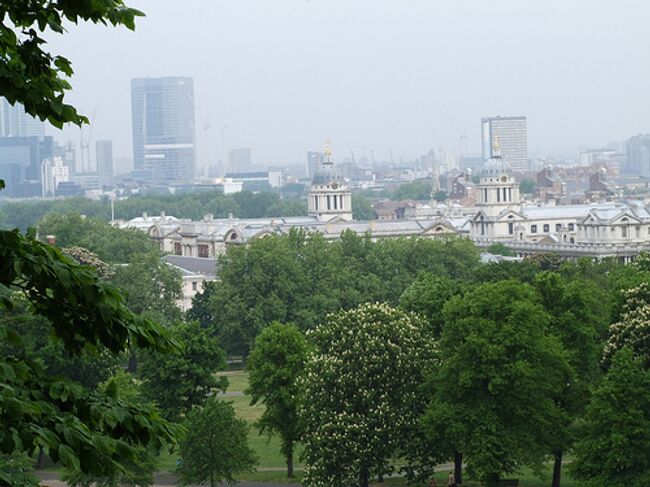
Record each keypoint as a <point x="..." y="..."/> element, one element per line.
<point x="329" y="195"/>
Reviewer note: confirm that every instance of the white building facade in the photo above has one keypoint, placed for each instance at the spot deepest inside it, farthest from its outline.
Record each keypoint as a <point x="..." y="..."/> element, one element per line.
<point x="329" y="196"/>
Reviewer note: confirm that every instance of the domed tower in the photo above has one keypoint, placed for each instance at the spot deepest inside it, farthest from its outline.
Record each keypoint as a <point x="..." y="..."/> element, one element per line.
<point x="329" y="195"/>
<point x="497" y="188"/>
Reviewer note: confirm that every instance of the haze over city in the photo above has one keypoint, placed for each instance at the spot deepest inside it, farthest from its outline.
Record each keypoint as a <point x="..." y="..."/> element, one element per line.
<point x="374" y="74"/>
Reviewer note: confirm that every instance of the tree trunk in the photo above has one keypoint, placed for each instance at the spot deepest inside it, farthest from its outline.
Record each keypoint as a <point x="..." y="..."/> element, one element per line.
<point x="363" y="477"/>
<point x="458" y="467"/>
<point x="492" y="480"/>
<point x="290" y="464"/>
<point x="40" y="460"/>
<point x="132" y="366"/>
<point x="557" y="468"/>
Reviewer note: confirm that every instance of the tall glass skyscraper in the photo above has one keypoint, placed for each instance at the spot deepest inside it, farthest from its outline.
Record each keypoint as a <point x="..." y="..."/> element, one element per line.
<point x="512" y="136"/>
<point x="14" y="122"/>
<point x="162" y="115"/>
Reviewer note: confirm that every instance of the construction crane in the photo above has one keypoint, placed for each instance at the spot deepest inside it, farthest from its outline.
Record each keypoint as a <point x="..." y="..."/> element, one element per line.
<point x="84" y="142"/>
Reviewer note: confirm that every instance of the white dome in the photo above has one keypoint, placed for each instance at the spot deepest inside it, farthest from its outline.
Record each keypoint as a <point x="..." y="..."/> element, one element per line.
<point x="495" y="166"/>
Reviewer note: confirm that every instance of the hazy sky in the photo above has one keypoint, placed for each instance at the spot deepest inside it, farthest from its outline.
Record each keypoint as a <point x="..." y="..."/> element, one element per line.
<point x="406" y="75"/>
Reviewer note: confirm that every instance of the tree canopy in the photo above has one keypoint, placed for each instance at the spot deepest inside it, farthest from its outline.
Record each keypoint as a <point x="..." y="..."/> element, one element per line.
<point x="360" y="394"/>
<point x="299" y="278"/>
<point x="276" y="362"/>
<point x="93" y="432"/>
<point x="215" y="447"/>
<point x="613" y="449"/>
<point x="492" y="395"/>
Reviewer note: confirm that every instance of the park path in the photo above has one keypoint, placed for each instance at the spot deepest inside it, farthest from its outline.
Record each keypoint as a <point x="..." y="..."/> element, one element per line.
<point x="162" y="479"/>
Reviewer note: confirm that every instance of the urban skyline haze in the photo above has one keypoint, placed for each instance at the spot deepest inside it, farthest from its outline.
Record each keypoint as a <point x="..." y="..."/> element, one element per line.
<point x="374" y="74"/>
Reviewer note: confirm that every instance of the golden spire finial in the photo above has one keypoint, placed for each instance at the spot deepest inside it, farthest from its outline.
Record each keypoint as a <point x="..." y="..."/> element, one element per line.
<point x="496" y="147"/>
<point x="328" y="150"/>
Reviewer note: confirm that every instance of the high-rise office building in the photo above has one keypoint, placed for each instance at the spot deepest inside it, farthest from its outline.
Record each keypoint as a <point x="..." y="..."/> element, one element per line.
<point x="104" y="153"/>
<point x="14" y="122"/>
<point x="240" y="160"/>
<point x="637" y="161"/>
<point x="314" y="160"/>
<point x="21" y="164"/>
<point x="511" y="135"/>
<point x="162" y="112"/>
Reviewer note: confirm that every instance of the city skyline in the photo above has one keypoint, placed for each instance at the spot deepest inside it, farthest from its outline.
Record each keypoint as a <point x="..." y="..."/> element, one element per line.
<point x="406" y="85"/>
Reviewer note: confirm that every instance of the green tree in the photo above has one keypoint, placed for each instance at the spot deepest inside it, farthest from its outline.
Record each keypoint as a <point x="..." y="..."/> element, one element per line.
<point x="274" y="364"/>
<point x="500" y="249"/>
<point x="361" y="208"/>
<point x="524" y="271"/>
<point x="440" y="196"/>
<point x="87" y="431"/>
<point x="178" y="382"/>
<point x="492" y="396"/>
<point x="416" y="190"/>
<point x="360" y="394"/>
<point x="152" y="287"/>
<point x="527" y="186"/>
<point x="111" y="244"/>
<point x="137" y="471"/>
<point x="298" y="278"/>
<point x="579" y="314"/>
<point x="215" y="447"/>
<point x="427" y="296"/>
<point x="613" y="449"/>
<point x="33" y="77"/>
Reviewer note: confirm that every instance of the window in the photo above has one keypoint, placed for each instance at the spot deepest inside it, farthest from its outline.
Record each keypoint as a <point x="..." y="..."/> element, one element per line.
<point x="204" y="251"/>
<point x="329" y="205"/>
<point x="316" y="203"/>
<point x="571" y="227"/>
<point x="194" y="286"/>
<point x="572" y="240"/>
<point x="498" y="196"/>
<point x="533" y="229"/>
<point x="504" y="195"/>
<point x="546" y="228"/>
<point x="233" y="236"/>
<point x="511" y="228"/>
<point x="178" y="249"/>
<point x="624" y="232"/>
<point x="558" y="227"/>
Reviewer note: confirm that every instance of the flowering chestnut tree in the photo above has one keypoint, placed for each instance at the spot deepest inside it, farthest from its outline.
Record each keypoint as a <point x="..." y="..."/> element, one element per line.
<point x="633" y="329"/>
<point x="361" y="397"/>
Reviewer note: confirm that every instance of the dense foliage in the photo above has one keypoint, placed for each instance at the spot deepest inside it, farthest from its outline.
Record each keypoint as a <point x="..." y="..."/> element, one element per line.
<point x="215" y="447"/>
<point x="179" y="382"/>
<point x="492" y="395"/>
<point x="88" y="431"/>
<point x="275" y="364"/>
<point x="361" y="393"/>
<point x="417" y="190"/>
<point x="25" y="214"/>
<point x="299" y="278"/>
<point x="613" y="450"/>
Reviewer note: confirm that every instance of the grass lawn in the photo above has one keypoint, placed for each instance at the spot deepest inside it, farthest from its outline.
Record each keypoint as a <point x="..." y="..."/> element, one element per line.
<point x="237" y="380"/>
<point x="271" y="463"/>
<point x="267" y="450"/>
